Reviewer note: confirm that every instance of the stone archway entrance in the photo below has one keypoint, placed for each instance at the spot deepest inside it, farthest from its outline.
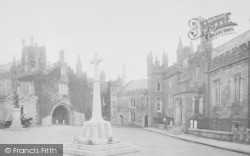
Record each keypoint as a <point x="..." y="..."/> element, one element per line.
<point x="146" y="121"/>
<point x="121" y="120"/>
<point x="61" y="115"/>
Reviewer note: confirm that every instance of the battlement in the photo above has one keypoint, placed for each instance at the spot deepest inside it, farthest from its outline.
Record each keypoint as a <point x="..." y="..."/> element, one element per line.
<point x="172" y="70"/>
<point x="135" y="91"/>
<point x="232" y="56"/>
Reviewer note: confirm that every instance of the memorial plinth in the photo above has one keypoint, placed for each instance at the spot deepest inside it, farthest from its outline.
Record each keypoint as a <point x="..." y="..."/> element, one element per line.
<point x="97" y="135"/>
<point x="16" y="122"/>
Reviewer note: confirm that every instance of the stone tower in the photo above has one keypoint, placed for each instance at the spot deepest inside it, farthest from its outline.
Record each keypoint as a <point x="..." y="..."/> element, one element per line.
<point x="165" y="59"/>
<point x="13" y="74"/>
<point x="183" y="52"/>
<point x="179" y="50"/>
<point x="149" y="62"/>
<point x="33" y="56"/>
<point x="43" y="60"/>
<point x="191" y="47"/>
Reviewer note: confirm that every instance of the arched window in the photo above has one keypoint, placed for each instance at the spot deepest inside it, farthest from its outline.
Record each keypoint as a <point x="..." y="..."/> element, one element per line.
<point x="158" y="103"/>
<point x="197" y="71"/>
<point x="132" y="116"/>
<point x="158" y="86"/>
<point x="1" y="88"/>
<point x="196" y="106"/>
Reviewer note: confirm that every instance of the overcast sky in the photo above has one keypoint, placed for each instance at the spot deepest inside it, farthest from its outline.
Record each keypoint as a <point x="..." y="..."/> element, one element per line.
<point x="121" y="31"/>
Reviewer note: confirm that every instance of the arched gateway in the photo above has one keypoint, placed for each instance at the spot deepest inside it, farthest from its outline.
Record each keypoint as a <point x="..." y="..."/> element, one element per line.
<point x="61" y="114"/>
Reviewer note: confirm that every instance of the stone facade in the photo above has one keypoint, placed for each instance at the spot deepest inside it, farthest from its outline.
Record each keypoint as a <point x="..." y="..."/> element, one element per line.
<point x="187" y="88"/>
<point x="129" y="104"/>
<point x="25" y="76"/>
<point x="230" y="69"/>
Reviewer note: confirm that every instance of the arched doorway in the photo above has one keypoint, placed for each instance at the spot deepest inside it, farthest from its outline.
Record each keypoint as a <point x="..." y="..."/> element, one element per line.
<point x="121" y="120"/>
<point x="61" y="115"/>
<point x="178" y="112"/>
<point x="146" y="121"/>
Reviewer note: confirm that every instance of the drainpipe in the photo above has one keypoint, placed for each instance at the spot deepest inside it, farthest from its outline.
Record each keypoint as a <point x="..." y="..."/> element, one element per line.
<point x="248" y="118"/>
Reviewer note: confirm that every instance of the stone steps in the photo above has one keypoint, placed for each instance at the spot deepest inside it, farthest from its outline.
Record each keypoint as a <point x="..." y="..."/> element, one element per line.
<point x="99" y="150"/>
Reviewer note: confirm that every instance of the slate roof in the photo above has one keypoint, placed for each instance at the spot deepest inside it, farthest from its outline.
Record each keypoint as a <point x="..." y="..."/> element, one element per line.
<point x="134" y="85"/>
<point x="235" y="42"/>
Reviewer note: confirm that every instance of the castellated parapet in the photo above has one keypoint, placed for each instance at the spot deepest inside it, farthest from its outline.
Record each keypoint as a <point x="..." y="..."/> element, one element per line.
<point x="230" y="57"/>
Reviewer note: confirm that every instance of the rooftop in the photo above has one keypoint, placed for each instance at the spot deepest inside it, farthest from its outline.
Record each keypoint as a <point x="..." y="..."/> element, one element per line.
<point x="235" y="42"/>
<point x="134" y="85"/>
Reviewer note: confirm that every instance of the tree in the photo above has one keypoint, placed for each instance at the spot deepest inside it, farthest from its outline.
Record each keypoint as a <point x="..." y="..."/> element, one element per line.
<point x="106" y="100"/>
<point x="80" y="93"/>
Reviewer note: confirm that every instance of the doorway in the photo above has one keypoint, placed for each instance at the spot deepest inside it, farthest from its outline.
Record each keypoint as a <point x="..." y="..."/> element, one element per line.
<point x="146" y="121"/>
<point x="60" y="116"/>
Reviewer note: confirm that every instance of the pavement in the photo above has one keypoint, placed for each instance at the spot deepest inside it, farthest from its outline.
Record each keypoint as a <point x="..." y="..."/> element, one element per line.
<point x="231" y="146"/>
<point x="149" y="143"/>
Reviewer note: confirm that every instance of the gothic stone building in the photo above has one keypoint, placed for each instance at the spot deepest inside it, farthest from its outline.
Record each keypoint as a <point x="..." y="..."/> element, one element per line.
<point x="43" y="91"/>
<point x="129" y="103"/>
<point x="207" y="82"/>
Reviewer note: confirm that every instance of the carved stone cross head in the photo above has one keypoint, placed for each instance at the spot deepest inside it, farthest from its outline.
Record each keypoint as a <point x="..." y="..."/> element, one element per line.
<point x="96" y="60"/>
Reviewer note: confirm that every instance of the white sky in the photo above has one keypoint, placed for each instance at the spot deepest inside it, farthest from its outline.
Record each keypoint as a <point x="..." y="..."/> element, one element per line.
<point x="119" y="30"/>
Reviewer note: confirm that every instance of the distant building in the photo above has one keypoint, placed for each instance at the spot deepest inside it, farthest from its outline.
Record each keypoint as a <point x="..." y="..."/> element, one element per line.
<point x="129" y="103"/>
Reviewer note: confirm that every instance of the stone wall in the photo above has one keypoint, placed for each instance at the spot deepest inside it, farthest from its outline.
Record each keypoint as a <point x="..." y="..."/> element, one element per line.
<point x="6" y="106"/>
<point x="122" y="113"/>
<point x="154" y="79"/>
<point x="169" y="86"/>
<point x="219" y="135"/>
<point x="30" y="108"/>
<point x="226" y="107"/>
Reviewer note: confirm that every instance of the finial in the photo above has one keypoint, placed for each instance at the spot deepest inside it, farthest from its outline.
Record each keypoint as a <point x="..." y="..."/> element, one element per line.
<point x="96" y="60"/>
<point x="179" y="45"/>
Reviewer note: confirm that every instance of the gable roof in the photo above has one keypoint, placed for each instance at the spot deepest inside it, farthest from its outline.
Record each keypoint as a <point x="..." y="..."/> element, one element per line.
<point x="235" y="42"/>
<point x="134" y="85"/>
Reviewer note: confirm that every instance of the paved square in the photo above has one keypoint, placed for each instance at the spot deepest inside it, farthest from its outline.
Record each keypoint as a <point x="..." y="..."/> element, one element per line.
<point x="149" y="143"/>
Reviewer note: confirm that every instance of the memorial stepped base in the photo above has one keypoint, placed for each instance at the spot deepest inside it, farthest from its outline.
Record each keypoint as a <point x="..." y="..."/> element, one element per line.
<point x="99" y="150"/>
